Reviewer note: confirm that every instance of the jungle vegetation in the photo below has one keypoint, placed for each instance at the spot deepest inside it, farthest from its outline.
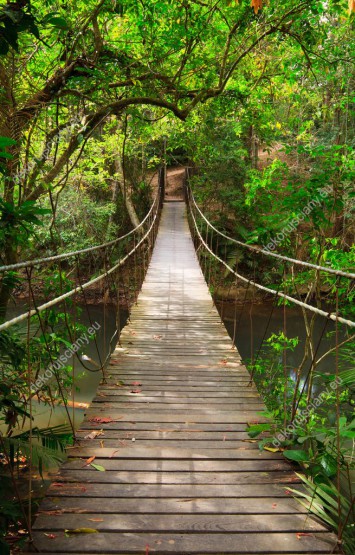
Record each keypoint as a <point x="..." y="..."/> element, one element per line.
<point x="257" y="98"/>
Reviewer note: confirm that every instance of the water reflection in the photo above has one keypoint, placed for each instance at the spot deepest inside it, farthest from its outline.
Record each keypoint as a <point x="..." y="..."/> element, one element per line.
<point x="253" y="319"/>
<point x="86" y="374"/>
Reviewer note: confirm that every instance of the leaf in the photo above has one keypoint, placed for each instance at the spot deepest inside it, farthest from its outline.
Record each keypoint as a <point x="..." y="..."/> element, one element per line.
<point x="58" y="22"/>
<point x="351" y="6"/>
<point x="299" y="456"/>
<point x="4" y="48"/>
<point x="98" y="467"/>
<point x="94" y="434"/>
<point x="299" y="535"/>
<point x="89" y="460"/>
<point x="257" y="429"/>
<point x="82" y="531"/>
<point x="272" y="449"/>
<point x="6" y="141"/>
<point x="103" y="420"/>
<point x="329" y="465"/>
<point x="257" y="5"/>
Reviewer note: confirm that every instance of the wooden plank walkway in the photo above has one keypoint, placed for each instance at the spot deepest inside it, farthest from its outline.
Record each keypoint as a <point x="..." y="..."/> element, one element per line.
<point x="181" y="475"/>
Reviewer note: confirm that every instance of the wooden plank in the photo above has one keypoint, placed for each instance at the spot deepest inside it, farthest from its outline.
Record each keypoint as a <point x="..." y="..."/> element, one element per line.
<point x="158" y="466"/>
<point x="188" y="505"/>
<point x="179" y="523"/>
<point x="124" y="477"/>
<point x="189" y="443"/>
<point x="166" y="452"/>
<point x="118" y="392"/>
<point x="85" y="489"/>
<point x="228" y="417"/>
<point x="166" y="435"/>
<point x="162" y="427"/>
<point x="161" y="405"/>
<point x="186" y="543"/>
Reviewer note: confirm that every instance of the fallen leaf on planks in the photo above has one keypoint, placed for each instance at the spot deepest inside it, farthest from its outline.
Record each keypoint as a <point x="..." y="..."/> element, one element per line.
<point x="50" y="536"/>
<point x="74" y="510"/>
<point x="51" y="513"/>
<point x="136" y="383"/>
<point x="89" y="460"/>
<point x="188" y="500"/>
<point x="98" y="467"/>
<point x="136" y="391"/>
<point x="82" y="531"/>
<point x="272" y="449"/>
<point x="57" y="485"/>
<point x="96" y="519"/>
<point x="94" y="434"/>
<point x="104" y="419"/>
<point x="70" y="510"/>
<point x="300" y="534"/>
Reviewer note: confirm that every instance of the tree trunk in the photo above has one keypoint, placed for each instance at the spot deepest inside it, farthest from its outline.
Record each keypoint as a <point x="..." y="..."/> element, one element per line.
<point x="10" y="257"/>
<point x="131" y="211"/>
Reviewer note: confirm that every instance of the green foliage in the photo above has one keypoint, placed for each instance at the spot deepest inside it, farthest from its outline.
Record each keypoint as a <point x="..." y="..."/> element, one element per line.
<point x="15" y="18"/>
<point x="325" y="501"/>
<point x="46" y="448"/>
<point x="17" y="223"/>
<point x="81" y="221"/>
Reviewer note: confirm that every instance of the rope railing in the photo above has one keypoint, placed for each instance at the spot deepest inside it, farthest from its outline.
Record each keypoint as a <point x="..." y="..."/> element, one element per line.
<point x="37" y="261"/>
<point x="335" y="317"/>
<point x="24" y="316"/>
<point x="257" y="250"/>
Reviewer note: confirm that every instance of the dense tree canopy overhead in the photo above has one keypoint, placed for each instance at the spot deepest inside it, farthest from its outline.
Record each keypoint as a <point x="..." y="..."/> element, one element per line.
<point x="87" y="61"/>
<point x="67" y="70"/>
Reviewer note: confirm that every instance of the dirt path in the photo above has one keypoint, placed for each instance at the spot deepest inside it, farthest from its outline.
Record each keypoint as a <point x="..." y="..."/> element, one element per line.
<point x="174" y="187"/>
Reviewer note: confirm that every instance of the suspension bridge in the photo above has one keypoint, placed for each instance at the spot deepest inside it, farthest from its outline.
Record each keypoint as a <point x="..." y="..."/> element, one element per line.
<point x="174" y="470"/>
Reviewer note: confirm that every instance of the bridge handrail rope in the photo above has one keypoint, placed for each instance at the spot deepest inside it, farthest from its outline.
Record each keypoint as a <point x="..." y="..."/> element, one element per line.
<point x="36" y="261"/>
<point x="311" y="308"/>
<point x="267" y="253"/>
<point x="80" y="287"/>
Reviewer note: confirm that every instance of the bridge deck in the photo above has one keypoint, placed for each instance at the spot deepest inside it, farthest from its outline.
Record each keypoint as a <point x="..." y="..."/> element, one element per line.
<point x="181" y="475"/>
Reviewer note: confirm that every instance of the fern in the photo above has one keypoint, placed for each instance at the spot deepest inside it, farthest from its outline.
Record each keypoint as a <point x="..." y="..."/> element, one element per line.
<point x="47" y="448"/>
<point x="323" y="501"/>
